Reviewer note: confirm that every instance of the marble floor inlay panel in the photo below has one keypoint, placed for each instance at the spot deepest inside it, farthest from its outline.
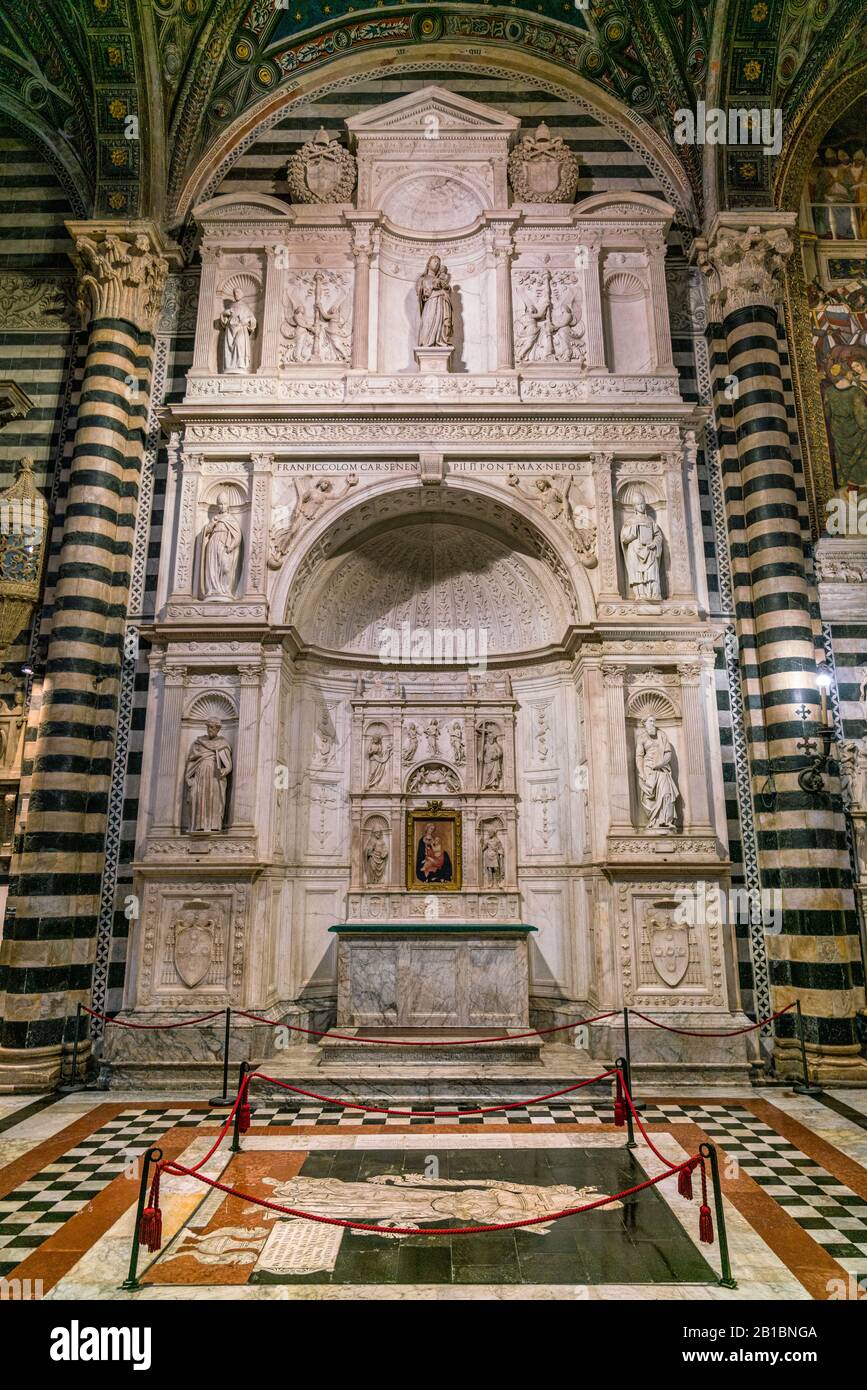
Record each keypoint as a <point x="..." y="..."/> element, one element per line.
<point x="794" y="1177"/>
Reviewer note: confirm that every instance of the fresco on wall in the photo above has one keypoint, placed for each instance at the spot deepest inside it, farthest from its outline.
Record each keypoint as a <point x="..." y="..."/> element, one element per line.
<point x="838" y="319"/>
<point x="838" y="192"/>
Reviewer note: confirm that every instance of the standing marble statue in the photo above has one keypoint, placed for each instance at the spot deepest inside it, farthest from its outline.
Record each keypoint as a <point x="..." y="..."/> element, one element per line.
<point x="641" y="540"/>
<point x="206" y="775"/>
<point x="378" y="758"/>
<point x="657" y="787"/>
<point x="221" y="553"/>
<point x="239" y="325"/>
<point x="459" y="752"/>
<point x="376" y="856"/>
<point x="493" y="860"/>
<point x="491" y="758"/>
<point x="434" y="290"/>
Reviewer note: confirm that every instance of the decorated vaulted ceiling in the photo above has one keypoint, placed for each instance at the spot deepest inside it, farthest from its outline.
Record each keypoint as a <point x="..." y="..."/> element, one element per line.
<point x="196" y="74"/>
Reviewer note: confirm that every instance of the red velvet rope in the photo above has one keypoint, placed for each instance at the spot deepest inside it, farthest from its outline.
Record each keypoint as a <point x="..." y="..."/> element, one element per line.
<point x="179" y="1170"/>
<point x="414" y="1114"/>
<point x="436" y="1042"/>
<point x="151" y="1027"/>
<point x="703" y="1033"/>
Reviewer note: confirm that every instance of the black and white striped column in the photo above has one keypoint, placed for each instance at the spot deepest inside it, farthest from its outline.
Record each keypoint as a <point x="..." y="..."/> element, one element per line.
<point x="49" y="934"/>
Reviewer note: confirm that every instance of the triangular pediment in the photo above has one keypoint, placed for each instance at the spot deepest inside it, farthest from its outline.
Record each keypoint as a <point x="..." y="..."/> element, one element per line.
<point x="411" y="114"/>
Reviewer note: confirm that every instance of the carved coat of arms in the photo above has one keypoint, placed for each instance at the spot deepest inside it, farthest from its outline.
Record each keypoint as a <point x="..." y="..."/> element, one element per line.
<point x="197" y="948"/>
<point x="322" y="171"/>
<point x="543" y="169"/>
<point x="669" y="948"/>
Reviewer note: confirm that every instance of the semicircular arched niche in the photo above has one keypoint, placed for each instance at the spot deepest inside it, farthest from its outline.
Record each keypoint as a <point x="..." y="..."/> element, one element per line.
<point x="430" y="583"/>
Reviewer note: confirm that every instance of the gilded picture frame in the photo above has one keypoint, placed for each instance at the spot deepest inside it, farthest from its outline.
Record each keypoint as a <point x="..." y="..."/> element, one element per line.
<point x="434" y="850"/>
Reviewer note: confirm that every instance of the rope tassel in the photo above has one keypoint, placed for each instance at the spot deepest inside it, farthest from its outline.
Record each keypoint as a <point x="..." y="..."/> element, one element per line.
<point x="244" y="1112"/>
<point x="150" y="1231"/>
<point x="619" y="1104"/>
<point x="684" y="1182"/>
<point x="705" y="1220"/>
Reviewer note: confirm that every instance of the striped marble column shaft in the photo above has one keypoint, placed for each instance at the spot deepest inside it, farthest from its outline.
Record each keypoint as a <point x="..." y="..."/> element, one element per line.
<point x="47" y="952"/>
<point x="802" y="844"/>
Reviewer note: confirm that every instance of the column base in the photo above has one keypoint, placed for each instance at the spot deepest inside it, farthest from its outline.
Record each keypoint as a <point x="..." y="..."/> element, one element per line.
<point x="28" y="1069"/>
<point x="827" y="1065"/>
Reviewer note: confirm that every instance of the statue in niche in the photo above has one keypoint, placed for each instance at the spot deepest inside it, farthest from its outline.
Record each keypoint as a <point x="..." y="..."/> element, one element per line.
<point x="410" y="746"/>
<point x="459" y="752"/>
<point x="221" y="553"/>
<point x="206" y="775"/>
<point x="657" y="787"/>
<point x="493" y="860"/>
<point x="376" y="856"/>
<point x="434" y="290"/>
<point x="378" y="758"/>
<point x="432" y="734"/>
<point x="490" y="757"/>
<point x="239" y="326"/>
<point x="641" y="540"/>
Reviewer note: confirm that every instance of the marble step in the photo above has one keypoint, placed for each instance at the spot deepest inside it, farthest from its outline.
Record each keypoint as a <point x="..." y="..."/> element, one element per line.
<point x="413" y="1045"/>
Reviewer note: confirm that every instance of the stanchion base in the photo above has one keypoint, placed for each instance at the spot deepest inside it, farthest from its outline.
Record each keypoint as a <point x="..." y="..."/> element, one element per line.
<point x="630" y="1144"/>
<point x="227" y="1101"/>
<point x="807" y="1088"/>
<point x="68" y="1088"/>
<point x="130" y="1284"/>
<point x="727" y="1283"/>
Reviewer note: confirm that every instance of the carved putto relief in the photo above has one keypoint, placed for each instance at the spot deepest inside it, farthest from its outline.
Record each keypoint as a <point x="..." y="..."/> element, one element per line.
<point x="434" y="777"/>
<point x="543" y="169"/>
<point x="317" y="319"/>
<point x="238" y="323"/>
<point x="220" y="562"/>
<point x="322" y="171"/>
<point x="305" y="501"/>
<point x="549" y="326"/>
<point x="206" y="777"/>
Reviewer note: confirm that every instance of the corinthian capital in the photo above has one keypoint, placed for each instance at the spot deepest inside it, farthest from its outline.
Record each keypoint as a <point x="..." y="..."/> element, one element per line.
<point x="121" y="272"/>
<point x="745" y="259"/>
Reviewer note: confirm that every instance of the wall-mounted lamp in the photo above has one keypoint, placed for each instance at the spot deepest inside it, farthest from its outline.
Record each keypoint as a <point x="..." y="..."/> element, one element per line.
<point x="812" y="777"/>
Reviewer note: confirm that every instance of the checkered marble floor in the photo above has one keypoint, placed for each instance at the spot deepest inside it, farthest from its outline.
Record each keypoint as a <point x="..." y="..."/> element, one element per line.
<point x="827" y="1210"/>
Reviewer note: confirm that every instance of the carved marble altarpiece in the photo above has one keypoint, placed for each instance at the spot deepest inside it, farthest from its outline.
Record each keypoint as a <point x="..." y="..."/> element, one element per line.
<point x="428" y="600"/>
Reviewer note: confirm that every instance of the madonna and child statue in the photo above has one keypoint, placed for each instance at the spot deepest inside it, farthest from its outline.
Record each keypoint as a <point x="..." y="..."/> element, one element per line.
<point x="436" y="331"/>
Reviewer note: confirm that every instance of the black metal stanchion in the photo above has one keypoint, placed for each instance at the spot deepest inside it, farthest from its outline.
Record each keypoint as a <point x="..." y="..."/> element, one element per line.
<point x="73" y="1084"/>
<point x="623" y="1065"/>
<point x="726" y="1279"/>
<point x="235" y="1146"/>
<point x="628" y="1054"/>
<point x="225" y="1098"/>
<point x="150" y="1157"/>
<point x="805" y="1087"/>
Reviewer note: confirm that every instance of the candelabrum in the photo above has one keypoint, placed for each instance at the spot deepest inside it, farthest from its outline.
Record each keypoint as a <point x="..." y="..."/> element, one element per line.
<point x="816" y="746"/>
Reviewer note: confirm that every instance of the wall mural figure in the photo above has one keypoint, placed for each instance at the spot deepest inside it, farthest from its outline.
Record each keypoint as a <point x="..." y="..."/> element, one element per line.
<point x="206" y="776"/>
<point x="239" y="326"/>
<point x="434" y="290"/>
<point x="221" y="553"/>
<point x="656" y="785"/>
<point x="642" y="542"/>
<point x="839" y="331"/>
